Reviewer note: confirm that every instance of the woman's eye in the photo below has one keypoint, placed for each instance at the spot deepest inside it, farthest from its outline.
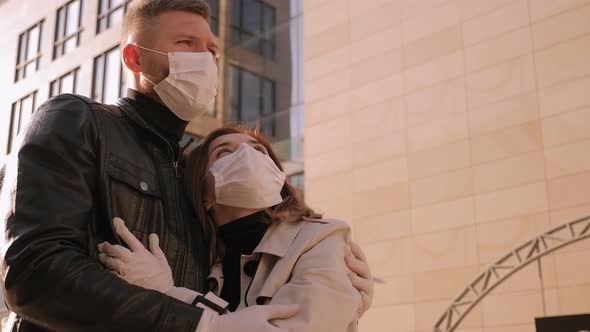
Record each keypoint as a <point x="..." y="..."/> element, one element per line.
<point x="186" y="42"/>
<point x="223" y="152"/>
<point x="260" y="149"/>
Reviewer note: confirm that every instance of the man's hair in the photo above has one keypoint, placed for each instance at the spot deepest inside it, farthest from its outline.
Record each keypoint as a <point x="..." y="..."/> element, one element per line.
<point x="142" y="11"/>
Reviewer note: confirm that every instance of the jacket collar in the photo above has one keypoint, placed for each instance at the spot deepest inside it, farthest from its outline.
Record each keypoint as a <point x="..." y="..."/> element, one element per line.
<point x="154" y="116"/>
<point x="278" y="238"/>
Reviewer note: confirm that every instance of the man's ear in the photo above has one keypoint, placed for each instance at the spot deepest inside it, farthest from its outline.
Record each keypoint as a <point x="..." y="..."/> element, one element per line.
<point x="131" y="58"/>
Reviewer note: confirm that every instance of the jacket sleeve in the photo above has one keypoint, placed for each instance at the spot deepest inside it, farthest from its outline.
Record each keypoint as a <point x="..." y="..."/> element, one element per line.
<point x="47" y="202"/>
<point x="320" y="285"/>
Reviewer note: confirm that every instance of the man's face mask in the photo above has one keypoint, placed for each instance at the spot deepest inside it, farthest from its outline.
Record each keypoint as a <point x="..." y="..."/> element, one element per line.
<point x="248" y="179"/>
<point x="190" y="89"/>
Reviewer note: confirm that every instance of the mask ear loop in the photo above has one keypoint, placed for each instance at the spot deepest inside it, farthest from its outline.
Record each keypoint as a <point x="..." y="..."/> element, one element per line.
<point x="207" y="203"/>
<point x="150" y="50"/>
<point x="147" y="79"/>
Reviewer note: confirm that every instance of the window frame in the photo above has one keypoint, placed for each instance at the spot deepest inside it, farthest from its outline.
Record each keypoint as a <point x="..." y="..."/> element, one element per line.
<point x="59" y="42"/>
<point x="21" y="64"/>
<point x="262" y="115"/>
<point x="122" y="81"/>
<point x="59" y="81"/>
<point x="108" y="13"/>
<point x="262" y="36"/>
<point x="12" y="135"/>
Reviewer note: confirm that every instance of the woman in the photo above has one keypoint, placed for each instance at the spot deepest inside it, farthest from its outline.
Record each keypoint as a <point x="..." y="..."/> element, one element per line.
<point x="267" y="245"/>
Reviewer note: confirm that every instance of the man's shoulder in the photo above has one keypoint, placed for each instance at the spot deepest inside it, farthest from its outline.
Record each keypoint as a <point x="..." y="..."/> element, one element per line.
<point x="68" y="102"/>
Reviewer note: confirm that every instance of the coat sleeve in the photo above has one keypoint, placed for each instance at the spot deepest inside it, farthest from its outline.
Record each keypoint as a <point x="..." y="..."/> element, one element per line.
<point x="320" y="284"/>
<point x="47" y="202"/>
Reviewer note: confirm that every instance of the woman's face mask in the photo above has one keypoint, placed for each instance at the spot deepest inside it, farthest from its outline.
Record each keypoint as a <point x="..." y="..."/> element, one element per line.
<point x="247" y="178"/>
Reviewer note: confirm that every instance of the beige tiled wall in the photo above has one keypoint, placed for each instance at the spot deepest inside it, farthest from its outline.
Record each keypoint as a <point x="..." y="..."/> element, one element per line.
<point x="447" y="132"/>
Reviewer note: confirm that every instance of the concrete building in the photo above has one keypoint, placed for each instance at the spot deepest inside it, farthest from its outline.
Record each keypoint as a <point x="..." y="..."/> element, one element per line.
<point x="449" y="132"/>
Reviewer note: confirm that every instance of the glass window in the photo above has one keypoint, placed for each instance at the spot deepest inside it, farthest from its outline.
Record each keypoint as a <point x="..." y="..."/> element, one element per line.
<point x="67" y="83"/>
<point x="110" y="13"/>
<point x="251" y="16"/>
<point x="98" y="78"/>
<point x="20" y="117"/>
<point x="214" y="19"/>
<point x="112" y="74"/>
<point x="236" y="12"/>
<point x="108" y="83"/>
<point x="268" y="103"/>
<point x="250" y="108"/>
<point x="297" y="181"/>
<point x="29" y="52"/>
<point x="67" y="28"/>
<point x="252" y="25"/>
<point x="252" y="100"/>
<point x="234" y="94"/>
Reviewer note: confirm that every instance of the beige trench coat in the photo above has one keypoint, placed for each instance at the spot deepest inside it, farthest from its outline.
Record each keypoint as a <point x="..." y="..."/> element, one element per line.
<point x="302" y="263"/>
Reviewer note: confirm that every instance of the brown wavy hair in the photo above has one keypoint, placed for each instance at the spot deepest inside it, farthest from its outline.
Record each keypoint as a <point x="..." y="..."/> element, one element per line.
<point x="196" y="159"/>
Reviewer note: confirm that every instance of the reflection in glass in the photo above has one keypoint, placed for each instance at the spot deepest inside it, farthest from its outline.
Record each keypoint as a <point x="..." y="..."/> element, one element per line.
<point x="67" y="84"/>
<point x="25" y="112"/>
<point x="28" y="52"/>
<point x="116" y="17"/>
<point x="61" y="24"/>
<point x="98" y="78"/>
<point x="252" y="22"/>
<point x="110" y="13"/>
<point x="264" y="74"/>
<point x="33" y="46"/>
<point x="250" y="95"/>
<point x="29" y="68"/>
<point x="67" y="34"/>
<point x="20" y="117"/>
<point x="112" y="77"/>
<point x="73" y="13"/>
<point x="108" y="83"/>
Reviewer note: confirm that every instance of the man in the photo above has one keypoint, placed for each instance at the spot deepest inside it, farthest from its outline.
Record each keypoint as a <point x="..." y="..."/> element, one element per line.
<point x="82" y="163"/>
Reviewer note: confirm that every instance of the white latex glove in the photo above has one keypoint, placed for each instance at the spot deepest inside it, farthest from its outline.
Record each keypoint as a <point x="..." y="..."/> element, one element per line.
<point x="361" y="277"/>
<point x="137" y="265"/>
<point x="254" y="319"/>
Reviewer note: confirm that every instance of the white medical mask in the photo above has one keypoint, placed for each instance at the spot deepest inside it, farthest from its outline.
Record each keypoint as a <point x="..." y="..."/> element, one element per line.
<point x="248" y="179"/>
<point x="190" y="89"/>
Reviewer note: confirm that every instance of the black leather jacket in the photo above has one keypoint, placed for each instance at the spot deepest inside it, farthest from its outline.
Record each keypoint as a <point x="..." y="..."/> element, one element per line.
<point x="82" y="163"/>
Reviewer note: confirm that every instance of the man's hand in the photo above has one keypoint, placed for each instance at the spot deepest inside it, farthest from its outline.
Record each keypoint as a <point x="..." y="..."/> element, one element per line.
<point x="137" y="265"/>
<point x="361" y="277"/>
<point x="254" y="319"/>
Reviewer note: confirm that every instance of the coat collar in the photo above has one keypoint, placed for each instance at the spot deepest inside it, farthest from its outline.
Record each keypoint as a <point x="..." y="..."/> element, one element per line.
<point x="278" y="238"/>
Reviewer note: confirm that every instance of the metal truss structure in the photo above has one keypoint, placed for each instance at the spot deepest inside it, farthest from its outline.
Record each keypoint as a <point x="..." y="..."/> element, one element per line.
<point x="509" y="264"/>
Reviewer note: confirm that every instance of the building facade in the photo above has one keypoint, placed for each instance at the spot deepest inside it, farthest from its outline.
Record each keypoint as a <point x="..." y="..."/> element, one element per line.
<point x="448" y="132"/>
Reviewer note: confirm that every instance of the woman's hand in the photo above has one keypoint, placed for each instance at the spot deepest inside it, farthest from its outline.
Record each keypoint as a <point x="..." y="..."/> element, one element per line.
<point x="361" y="277"/>
<point x="137" y="265"/>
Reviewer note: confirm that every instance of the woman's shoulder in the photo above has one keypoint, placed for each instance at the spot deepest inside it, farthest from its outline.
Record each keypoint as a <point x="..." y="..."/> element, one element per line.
<point x="327" y="224"/>
<point x="315" y="230"/>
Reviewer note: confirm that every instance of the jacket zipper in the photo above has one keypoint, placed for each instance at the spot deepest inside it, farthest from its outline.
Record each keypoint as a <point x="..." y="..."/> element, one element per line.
<point x="175" y="160"/>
